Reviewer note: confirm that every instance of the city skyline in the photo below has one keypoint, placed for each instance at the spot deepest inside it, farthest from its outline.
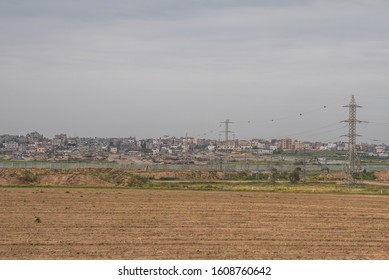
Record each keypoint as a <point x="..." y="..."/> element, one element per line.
<point x="150" y="68"/>
<point x="219" y="140"/>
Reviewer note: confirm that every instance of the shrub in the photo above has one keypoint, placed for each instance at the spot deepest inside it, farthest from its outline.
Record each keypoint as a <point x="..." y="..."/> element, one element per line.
<point x="167" y="178"/>
<point x="294" y="177"/>
<point x="37" y="219"/>
<point x="117" y="177"/>
<point x="137" y="181"/>
<point x="262" y="176"/>
<point x="273" y="174"/>
<point x="242" y="175"/>
<point x="27" y="176"/>
<point x="364" y="175"/>
<point x="283" y="175"/>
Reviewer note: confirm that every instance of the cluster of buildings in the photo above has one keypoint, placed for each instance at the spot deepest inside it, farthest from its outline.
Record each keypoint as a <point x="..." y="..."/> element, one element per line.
<point x="165" y="149"/>
<point x="372" y="150"/>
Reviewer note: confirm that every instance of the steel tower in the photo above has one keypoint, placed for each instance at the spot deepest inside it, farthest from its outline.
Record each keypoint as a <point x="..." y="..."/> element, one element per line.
<point x="226" y="131"/>
<point x="353" y="160"/>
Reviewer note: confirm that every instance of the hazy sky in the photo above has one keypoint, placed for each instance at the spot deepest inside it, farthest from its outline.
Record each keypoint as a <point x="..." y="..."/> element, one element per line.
<point x="149" y="68"/>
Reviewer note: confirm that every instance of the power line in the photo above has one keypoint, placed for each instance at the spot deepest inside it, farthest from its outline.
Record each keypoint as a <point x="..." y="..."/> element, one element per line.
<point x="312" y="132"/>
<point x="325" y="132"/>
<point x="377" y="123"/>
<point x="324" y="107"/>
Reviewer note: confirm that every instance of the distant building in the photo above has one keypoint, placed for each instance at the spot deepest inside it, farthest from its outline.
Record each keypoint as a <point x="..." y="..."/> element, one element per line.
<point x="11" y="146"/>
<point x="245" y="145"/>
<point x="286" y="144"/>
<point x="263" y="152"/>
<point x="332" y="146"/>
<point x="301" y="146"/>
<point x="59" y="140"/>
<point x="40" y="150"/>
<point x="380" y="149"/>
<point x="211" y="148"/>
<point x="34" y="137"/>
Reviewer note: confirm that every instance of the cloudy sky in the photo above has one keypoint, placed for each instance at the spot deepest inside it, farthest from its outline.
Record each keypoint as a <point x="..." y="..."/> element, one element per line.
<point x="149" y="68"/>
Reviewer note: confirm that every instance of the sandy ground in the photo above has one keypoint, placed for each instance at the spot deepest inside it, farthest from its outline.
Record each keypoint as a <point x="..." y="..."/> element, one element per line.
<point x="93" y="176"/>
<point x="81" y="223"/>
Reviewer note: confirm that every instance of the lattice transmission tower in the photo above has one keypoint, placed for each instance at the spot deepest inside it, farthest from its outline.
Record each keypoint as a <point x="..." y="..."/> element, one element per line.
<point x="226" y="131"/>
<point x="353" y="165"/>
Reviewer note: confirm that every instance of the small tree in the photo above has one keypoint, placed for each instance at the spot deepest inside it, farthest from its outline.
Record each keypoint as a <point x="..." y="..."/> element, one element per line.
<point x="325" y="171"/>
<point x="294" y="177"/>
<point x="273" y="175"/>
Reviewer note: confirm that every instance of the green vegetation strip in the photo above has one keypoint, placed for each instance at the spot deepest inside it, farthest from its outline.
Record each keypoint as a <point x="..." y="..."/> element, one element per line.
<point x="268" y="187"/>
<point x="240" y="187"/>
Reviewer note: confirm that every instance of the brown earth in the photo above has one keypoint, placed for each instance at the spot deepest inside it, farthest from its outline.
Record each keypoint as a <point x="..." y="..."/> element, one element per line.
<point x="87" y="223"/>
<point x="382" y="175"/>
<point x="95" y="176"/>
<point x="114" y="177"/>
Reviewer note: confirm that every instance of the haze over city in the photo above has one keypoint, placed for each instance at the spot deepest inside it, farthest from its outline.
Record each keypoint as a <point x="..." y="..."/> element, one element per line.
<point x="151" y="68"/>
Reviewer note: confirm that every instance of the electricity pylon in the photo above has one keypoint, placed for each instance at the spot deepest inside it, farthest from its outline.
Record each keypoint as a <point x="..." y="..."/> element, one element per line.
<point x="226" y="131"/>
<point x="353" y="165"/>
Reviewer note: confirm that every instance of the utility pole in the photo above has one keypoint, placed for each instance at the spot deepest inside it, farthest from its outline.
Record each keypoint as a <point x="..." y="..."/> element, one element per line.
<point x="186" y="149"/>
<point x="353" y="165"/>
<point x="304" y="164"/>
<point x="326" y="170"/>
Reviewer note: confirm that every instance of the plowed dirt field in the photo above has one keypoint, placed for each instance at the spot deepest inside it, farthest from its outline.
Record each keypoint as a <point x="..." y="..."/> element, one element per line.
<point x="82" y="223"/>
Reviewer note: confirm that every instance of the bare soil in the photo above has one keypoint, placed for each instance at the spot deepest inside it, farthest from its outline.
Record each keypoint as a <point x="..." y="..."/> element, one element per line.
<point x="107" y="177"/>
<point x="91" y="223"/>
<point x="94" y="176"/>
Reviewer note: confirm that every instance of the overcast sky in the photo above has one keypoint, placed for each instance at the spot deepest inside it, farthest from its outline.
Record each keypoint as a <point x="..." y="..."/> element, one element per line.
<point x="148" y="68"/>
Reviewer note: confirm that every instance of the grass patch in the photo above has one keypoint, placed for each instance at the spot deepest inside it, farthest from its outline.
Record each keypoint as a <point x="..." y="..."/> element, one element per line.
<point x="141" y="182"/>
<point x="37" y="220"/>
<point x="167" y="178"/>
<point x="283" y="187"/>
